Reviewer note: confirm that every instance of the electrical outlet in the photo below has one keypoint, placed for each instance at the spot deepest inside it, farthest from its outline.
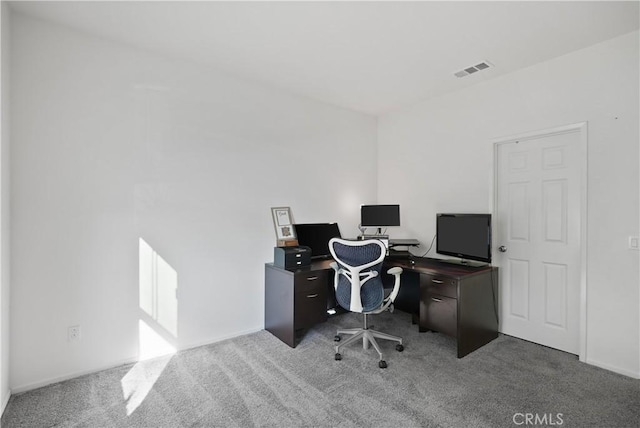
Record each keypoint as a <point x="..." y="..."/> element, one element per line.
<point x="633" y="242"/>
<point x="74" y="333"/>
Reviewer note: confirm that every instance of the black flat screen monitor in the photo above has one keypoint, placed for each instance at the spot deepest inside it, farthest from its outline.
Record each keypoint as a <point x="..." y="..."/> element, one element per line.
<point x="379" y="215"/>
<point x="467" y="236"/>
<point x="316" y="236"/>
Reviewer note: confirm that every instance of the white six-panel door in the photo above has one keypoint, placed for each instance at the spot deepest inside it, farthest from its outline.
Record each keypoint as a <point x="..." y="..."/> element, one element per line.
<point x="538" y="236"/>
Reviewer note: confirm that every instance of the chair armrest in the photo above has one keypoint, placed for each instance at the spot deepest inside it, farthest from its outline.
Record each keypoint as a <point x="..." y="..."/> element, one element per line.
<point x="395" y="271"/>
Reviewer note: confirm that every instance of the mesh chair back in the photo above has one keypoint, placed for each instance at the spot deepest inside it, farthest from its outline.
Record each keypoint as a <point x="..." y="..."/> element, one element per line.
<point x="351" y="257"/>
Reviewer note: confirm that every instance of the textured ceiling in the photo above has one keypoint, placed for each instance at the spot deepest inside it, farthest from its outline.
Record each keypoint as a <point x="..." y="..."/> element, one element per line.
<point x="372" y="57"/>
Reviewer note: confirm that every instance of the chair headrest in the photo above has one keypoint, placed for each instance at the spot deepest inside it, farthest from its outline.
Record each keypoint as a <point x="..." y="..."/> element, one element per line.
<point x="357" y="253"/>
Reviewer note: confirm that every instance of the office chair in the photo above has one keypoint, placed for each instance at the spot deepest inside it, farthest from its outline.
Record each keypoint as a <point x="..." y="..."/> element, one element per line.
<point x="359" y="288"/>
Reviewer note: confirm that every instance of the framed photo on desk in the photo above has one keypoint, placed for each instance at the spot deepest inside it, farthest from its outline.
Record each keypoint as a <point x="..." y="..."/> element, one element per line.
<point x="282" y="221"/>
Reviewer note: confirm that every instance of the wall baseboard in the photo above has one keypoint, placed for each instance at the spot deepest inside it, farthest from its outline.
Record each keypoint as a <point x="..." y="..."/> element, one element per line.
<point x="35" y="385"/>
<point x="624" y="372"/>
<point x="132" y="360"/>
<point x="220" y="339"/>
<point x="4" y="403"/>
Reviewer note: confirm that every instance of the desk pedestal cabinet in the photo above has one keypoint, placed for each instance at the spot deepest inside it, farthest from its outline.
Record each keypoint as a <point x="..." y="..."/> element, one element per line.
<point x="294" y="300"/>
<point x="460" y="303"/>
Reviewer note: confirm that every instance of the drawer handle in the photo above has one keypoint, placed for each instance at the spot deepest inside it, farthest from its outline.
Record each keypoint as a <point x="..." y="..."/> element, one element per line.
<point x="436" y="300"/>
<point x="311" y="296"/>
<point x="312" y="278"/>
<point x="437" y="281"/>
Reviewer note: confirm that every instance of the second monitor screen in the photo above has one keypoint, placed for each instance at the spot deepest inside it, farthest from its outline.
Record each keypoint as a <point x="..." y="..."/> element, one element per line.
<point x="316" y="236"/>
<point x="379" y="215"/>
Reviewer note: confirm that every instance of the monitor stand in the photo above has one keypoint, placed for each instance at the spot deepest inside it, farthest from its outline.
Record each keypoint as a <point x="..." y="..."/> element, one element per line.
<point x="398" y="254"/>
<point x="374" y="236"/>
<point x="464" y="262"/>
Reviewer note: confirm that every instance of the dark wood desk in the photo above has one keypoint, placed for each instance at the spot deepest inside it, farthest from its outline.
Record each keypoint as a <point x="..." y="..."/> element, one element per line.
<point x="455" y="300"/>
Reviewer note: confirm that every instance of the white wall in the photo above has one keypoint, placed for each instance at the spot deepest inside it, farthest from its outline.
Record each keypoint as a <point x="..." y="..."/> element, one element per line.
<point x="4" y="207"/>
<point x="111" y="144"/>
<point x="437" y="157"/>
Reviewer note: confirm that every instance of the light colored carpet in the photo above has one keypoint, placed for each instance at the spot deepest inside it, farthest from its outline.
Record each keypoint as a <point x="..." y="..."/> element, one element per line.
<point x="256" y="380"/>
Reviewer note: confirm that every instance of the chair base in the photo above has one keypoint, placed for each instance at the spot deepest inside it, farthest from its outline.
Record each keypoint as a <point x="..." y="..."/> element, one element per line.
<point x="368" y="336"/>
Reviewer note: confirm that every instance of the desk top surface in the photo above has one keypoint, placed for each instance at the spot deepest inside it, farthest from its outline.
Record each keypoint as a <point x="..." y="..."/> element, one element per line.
<point x="436" y="266"/>
<point x="414" y="264"/>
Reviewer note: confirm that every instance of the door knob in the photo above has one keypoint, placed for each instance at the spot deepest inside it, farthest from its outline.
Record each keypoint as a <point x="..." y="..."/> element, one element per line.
<point x="502" y="249"/>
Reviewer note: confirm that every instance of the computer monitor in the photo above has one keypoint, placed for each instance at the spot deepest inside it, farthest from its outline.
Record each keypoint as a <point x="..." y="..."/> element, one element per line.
<point x="379" y="215"/>
<point x="467" y="236"/>
<point x="316" y="236"/>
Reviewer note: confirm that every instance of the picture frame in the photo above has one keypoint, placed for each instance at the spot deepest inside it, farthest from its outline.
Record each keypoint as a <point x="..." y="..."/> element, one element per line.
<point x="283" y="223"/>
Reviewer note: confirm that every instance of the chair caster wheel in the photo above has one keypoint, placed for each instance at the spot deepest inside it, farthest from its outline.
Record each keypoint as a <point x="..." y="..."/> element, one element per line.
<point x="382" y="364"/>
<point x="399" y="348"/>
<point x="338" y="357"/>
<point x="336" y="338"/>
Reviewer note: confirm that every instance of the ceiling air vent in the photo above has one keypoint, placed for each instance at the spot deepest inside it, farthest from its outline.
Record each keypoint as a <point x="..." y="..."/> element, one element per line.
<point x="473" y="69"/>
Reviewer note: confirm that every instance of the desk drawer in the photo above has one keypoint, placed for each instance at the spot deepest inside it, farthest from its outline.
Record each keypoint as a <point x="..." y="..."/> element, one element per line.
<point x="308" y="282"/>
<point x="442" y="285"/>
<point x="310" y="306"/>
<point x="441" y="314"/>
